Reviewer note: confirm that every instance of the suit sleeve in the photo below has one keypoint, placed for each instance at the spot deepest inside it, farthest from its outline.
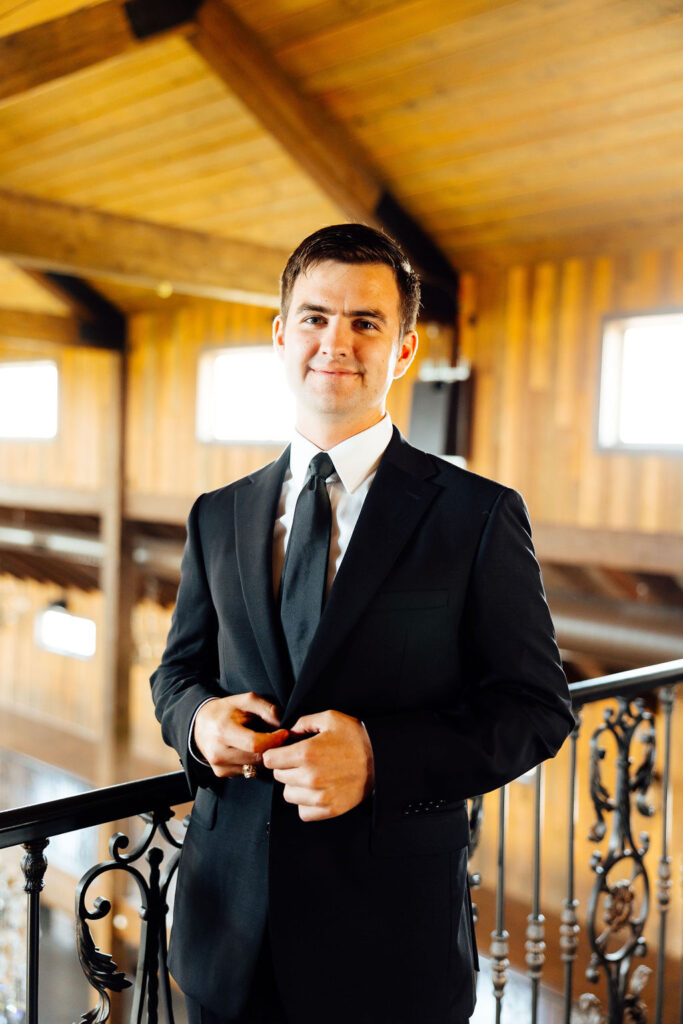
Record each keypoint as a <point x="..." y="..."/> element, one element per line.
<point x="514" y="710"/>
<point x="188" y="673"/>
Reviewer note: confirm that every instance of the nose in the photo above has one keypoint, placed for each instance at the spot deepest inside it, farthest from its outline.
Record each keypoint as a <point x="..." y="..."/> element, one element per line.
<point x="335" y="343"/>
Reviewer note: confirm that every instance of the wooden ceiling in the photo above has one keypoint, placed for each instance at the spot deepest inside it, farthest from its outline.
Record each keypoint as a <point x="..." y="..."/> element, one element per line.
<point x="505" y="129"/>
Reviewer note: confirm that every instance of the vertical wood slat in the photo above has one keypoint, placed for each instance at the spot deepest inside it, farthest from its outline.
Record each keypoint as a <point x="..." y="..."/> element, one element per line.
<point x="513" y="372"/>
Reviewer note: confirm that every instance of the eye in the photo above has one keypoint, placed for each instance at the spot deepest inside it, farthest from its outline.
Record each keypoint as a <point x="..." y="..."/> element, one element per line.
<point x="314" y="319"/>
<point x="366" y="325"/>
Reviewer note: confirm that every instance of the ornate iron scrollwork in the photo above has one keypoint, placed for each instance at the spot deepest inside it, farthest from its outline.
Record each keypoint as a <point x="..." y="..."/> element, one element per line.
<point x="620" y="899"/>
<point x="99" y="968"/>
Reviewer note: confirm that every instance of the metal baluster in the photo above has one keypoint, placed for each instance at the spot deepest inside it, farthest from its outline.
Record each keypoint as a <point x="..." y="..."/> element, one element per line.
<point x="666" y="698"/>
<point x="499" y="938"/>
<point x="535" y="932"/>
<point x="33" y="865"/>
<point x="569" y="929"/>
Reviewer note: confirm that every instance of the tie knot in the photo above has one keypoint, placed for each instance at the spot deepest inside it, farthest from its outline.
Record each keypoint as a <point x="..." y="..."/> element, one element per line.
<point x="321" y="465"/>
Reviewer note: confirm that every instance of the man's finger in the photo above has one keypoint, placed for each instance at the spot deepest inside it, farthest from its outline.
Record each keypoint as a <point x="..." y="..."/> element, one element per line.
<point x="292" y="756"/>
<point x="304" y="797"/>
<point x="259" y="706"/>
<point x="244" y="738"/>
<point x="312" y="723"/>
<point x="314" y="813"/>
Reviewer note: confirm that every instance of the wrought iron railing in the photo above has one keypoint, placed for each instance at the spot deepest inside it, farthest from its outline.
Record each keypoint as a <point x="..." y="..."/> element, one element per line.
<point x="617" y="912"/>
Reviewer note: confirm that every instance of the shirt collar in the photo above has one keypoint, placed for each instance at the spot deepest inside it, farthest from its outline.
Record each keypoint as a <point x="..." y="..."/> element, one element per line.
<point x="354" y="459"/>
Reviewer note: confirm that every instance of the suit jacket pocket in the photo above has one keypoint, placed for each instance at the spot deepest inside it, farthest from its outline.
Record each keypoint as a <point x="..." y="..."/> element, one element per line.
<point x="437" y="832"/>
<point x="204" y="808"/>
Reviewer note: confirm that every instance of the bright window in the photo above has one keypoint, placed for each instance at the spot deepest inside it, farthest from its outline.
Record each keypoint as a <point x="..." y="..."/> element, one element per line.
<point x="641" y="383"/>
<point x="28" y="400"/>
<point x="242" y="396"/>
<point x="61" y="632"/>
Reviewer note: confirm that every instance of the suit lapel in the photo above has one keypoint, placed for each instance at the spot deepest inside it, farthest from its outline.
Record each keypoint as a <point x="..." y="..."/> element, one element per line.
<point x="255" y="511"/>
<point x="398" y="499"/>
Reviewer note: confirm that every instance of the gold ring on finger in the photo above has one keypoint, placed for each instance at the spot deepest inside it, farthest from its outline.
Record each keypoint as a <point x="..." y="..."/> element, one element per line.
<point x="249" y="771"/>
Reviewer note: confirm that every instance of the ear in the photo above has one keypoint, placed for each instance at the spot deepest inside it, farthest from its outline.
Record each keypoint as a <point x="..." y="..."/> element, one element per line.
<point x="406" y="353"/>
<point x="279" y="335"/>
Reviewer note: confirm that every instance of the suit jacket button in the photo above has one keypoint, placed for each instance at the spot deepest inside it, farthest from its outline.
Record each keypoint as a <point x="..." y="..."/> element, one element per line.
<point x="267" y="828"/>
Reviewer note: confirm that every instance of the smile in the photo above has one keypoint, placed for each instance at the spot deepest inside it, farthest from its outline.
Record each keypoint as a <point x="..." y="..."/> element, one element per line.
<point x="334" y="373"/>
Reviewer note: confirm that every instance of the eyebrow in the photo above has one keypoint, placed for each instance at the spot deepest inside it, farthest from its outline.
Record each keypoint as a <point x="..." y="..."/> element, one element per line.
<point x="310" y="307"/>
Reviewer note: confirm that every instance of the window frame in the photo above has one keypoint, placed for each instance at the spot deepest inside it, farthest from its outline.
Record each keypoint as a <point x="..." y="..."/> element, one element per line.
<point x="216" y="350"/>
<point x="24" y="361"/>
<point x="616" y="324"/>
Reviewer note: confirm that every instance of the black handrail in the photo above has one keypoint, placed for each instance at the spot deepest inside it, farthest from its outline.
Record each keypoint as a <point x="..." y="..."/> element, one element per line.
<point x="72" y="813"/>
<point x="627" y="684"/>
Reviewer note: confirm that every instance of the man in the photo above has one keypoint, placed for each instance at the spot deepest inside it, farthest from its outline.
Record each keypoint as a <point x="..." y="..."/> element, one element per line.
<point x="360" y="643"/>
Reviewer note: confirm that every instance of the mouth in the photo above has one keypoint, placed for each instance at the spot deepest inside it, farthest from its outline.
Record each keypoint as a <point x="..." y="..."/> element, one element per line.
<point x="333" y="372"/>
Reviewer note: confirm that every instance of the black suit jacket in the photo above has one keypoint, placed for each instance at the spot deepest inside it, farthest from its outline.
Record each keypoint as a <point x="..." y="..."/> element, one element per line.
<point x="437" y="635"/>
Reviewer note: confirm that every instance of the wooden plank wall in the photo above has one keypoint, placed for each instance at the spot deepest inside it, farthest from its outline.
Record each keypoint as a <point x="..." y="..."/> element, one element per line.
<point x="532" y="334"/>
<point x="41" y="685"/>
<point x="75" y="458"/>
<point x="150" y="627"/>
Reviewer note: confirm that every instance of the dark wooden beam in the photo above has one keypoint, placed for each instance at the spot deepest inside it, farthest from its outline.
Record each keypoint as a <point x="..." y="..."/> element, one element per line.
<point x="619" y="549"/>
<point x="83" y="242"/>
<point x="321" y="146"/>
<point x="51" y="499"/>
<point x="49" y="51"/>
<point x="60" y="330"/>
<point x="100" y="318"/>
<point x="73" y="750"/>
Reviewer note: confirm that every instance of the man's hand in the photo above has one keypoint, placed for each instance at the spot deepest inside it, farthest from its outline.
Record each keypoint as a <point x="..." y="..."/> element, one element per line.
<point x="224" y="732"/>
<point x="328" y="773"/>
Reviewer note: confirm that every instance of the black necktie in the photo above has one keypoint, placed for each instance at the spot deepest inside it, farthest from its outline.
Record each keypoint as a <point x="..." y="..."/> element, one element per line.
<point x="304" y="572"/>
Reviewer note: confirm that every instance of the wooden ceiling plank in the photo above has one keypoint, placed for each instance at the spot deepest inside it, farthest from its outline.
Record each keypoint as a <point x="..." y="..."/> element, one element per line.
<point x="488" y="39"/>
<point x="650" y="185"/>
<point x="649" y="144"/>
<point x="54" y="49"/>
<point x="92" y="183"/>
<point x="174" y="112"/>
<point x="85" y="242"/>
<point x="576" y="231"/>
<point x="502" y="121"/>
<point x="113" y="89"/>
<point x="593" y="70"/>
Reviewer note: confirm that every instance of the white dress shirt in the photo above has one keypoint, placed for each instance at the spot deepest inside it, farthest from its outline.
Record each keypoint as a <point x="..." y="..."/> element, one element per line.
<point x="355" y="462"/>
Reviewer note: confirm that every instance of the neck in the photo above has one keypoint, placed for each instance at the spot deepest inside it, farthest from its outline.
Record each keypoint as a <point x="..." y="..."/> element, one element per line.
<point x="326" y="435"/>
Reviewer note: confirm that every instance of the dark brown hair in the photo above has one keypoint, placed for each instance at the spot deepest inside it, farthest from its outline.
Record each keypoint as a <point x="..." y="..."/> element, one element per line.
<point x="354" y="243"/>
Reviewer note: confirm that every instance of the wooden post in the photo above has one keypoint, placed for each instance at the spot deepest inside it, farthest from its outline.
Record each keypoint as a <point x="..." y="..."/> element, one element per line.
<point x="117" y="584"/>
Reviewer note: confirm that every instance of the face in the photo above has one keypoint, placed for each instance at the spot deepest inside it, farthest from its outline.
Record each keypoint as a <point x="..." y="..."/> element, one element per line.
<point x="341" y="345"/>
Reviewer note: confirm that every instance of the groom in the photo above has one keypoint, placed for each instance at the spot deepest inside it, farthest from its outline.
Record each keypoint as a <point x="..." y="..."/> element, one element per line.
<point x="360" y="643"/>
